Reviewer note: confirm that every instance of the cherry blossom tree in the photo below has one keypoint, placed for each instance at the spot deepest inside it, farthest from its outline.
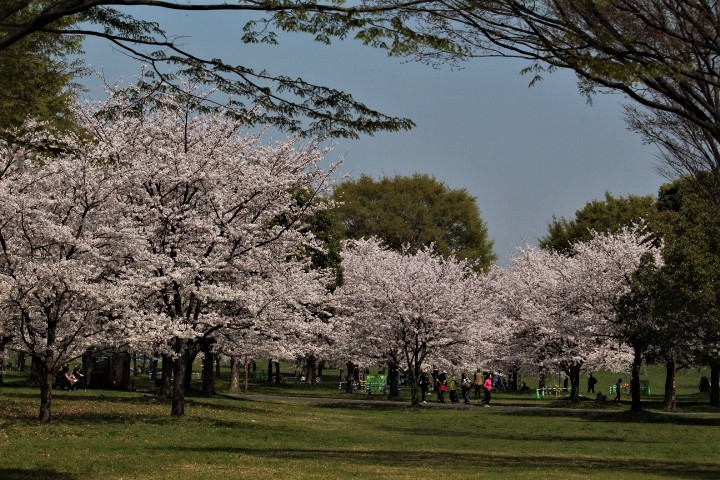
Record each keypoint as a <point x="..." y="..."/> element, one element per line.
<point x="289" y="322"/>
<point x="217" y="213"/>
<point x="409" y="309"/>
<point x="62" y="245"/>
<point x="559" y="310"/>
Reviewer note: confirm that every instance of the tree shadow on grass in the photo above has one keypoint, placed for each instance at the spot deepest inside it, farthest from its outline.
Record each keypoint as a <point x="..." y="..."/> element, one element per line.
<point x="429" y="460"/>
<point x="37" y="474"/>
<point x="624" y="417"/>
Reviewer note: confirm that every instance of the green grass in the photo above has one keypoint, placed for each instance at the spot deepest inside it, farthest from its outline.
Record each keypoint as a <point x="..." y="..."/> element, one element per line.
<point x="123" y="435"/>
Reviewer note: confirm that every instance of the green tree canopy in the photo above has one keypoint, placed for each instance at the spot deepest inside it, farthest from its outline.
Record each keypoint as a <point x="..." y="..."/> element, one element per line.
<point x="603" y="216"/>
<point x="414" y="211"/>
<point x="691" y="274"/>
<point x="37" y="81"/>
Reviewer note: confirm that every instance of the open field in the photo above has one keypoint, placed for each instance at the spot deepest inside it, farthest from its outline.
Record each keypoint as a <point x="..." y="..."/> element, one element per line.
<point x="124" y="435"/>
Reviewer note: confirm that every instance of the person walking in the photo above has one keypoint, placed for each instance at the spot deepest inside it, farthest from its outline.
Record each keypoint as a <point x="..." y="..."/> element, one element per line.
<point x="591" y="384"/>
<point x="487" y="388"/>
<point x="424" y="385"/>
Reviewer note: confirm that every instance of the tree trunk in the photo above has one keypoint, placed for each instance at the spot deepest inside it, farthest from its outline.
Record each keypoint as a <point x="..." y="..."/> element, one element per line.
<point x="541" y="377"/>
<point x="234" y="375"/>
<point x="670" y="370"/>
<point x="270" y="371"/>
<point x="247" y="373"/>
<point x="45" y="372"/>
<point x="20" y="365"/>
<point x="310" y="369"/>
<point x="635" y="405"/>
<point x="2" y="365"/>
<point x="414" y="386"/>
<point x="189" y="361"/>
<point x="715" y="383"/>
<point x="349" y="377"/>
<point x="168" y="366"/>
<point x="574" y="375"/>
<point x="35" y="370"/>
<point x="208" y="385"/>
<point x="278" y="378"/>
<point x="393" y="378"/>
<point x="153" y="369"/>
<point x="179" y="376"/>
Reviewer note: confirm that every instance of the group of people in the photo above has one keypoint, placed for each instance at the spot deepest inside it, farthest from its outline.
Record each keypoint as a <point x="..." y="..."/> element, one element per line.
<point x="443" y="383"/>
<point x="592" y="381"/>
<point x="66" y="380"/>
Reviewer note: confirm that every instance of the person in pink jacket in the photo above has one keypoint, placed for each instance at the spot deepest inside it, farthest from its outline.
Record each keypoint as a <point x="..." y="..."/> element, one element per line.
<point x="487" y="388"/>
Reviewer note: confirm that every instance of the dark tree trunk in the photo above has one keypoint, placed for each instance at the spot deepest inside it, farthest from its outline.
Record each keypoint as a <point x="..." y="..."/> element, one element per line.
<point x="349" y="377"/>
<point x="20" y="362"/>
<point x="208" y="385"/>
<point x="574" y="375"/>
<point x="168" y="366"/>
<point x="278" y="378"/>
<point x="270" y="371"/>
<point x="46" y="374"/>
<point x="153" y="371"/>
<point x="190" y="359"/>
<point x="393" y="378"/>
<point x="635" y="405"/>
<point x="321" y="366"/>
<point x="669" y="401"/>
<point x="715" y="383"/>
<point x="310" y="369"/>
<point x="415" y="396"/>
<point x="246" y="373"/>
<point x="35" y="370"/>
<point x="2" y="365"/>
<point x="234" y="375"/>
<point x="179" y="376"/>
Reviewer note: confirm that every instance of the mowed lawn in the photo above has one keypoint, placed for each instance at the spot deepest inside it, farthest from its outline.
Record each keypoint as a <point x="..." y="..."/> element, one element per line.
<point x="124" y="435"/>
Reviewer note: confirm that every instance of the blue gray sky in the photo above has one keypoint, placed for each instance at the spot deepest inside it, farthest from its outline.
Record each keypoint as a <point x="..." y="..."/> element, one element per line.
<point x="525" y="153"/>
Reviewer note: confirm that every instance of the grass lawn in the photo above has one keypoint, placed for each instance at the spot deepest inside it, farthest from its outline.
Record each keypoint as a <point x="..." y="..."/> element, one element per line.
<point x="123" y="435"/>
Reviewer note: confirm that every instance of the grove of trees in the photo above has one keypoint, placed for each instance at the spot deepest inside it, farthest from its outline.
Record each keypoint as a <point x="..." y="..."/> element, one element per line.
<point x="151" y="222"/>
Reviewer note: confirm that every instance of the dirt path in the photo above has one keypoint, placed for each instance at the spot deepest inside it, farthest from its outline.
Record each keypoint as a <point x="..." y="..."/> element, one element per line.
<point x="458" y="406"/>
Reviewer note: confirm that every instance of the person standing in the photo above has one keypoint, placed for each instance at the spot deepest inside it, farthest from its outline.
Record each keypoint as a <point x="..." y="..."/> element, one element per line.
<point x="465" y="386"/>
<point x="591" y="384"/>
<point x="424" y="385"/>
<point x="478" y="383"/>
<point x="618" y="387"/>
<point x="452" y="388"/>
<point x="442" y="387"/>
<point x="487" y="388"/>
